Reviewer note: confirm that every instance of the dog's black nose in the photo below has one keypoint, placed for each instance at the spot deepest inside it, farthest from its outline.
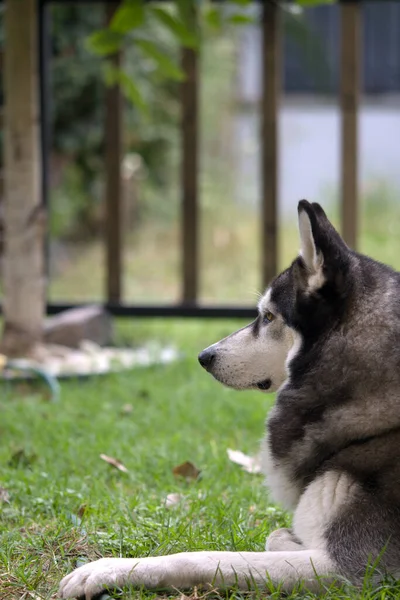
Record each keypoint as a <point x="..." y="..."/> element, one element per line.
<point x="206" y="358"/>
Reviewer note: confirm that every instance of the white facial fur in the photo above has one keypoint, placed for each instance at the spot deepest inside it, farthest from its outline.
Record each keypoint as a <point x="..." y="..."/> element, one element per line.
<point x="244" y="359"/>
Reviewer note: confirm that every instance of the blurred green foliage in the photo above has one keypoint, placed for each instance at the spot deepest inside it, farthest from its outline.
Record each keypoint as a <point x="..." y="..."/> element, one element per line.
<point x="151" y="35"/>
<point x="78" y="93"/>
<point x="186" y="20"/>
<point x="77" y="115"/>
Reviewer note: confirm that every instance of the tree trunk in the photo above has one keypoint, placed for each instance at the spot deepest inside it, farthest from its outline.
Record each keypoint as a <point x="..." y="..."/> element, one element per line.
<point x="24" y="217"/>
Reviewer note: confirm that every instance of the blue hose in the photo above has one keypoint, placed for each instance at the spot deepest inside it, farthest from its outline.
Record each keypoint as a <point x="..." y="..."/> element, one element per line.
<point x="23" y="367"/>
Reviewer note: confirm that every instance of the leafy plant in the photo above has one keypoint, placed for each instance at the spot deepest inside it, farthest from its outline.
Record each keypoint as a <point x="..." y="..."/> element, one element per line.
<point x="185" y="20"/>
<point x="77" y="114"/>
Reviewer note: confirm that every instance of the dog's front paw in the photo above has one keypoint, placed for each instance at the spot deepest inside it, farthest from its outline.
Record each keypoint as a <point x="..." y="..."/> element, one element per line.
<point x="282" y="539"/>
<point x="95" y="577"/>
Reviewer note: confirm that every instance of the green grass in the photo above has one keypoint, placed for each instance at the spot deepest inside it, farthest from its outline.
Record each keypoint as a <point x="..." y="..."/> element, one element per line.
<point x="66" y="505"/>
<point x="178" y="413"/>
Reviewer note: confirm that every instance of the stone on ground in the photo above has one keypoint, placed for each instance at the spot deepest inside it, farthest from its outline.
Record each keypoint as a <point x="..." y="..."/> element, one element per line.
<point x="71" y="327"/>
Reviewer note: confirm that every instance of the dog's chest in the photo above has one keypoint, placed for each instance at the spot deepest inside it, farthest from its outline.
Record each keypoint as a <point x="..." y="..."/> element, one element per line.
<point x="276" y="465"/>
<point x="288" y="428"/>
<point x="287" y="450"/>
<point x="283" y="487"/>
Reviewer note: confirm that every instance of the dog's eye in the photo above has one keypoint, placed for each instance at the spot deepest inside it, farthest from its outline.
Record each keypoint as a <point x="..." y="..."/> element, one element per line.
<point x="268" y="317"/>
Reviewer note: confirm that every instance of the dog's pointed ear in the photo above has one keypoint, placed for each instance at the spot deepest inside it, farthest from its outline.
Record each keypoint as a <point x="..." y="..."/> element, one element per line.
<point x="321" y="248"/>
<point x="311" y="255"/>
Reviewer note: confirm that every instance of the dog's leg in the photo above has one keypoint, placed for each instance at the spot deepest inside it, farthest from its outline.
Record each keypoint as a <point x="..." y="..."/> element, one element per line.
<point x="245" y="570"/>
<point x="283" y="539"/>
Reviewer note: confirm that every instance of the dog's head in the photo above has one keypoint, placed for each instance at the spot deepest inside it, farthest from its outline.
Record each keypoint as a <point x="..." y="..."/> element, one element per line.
<point x="300" y="305"/>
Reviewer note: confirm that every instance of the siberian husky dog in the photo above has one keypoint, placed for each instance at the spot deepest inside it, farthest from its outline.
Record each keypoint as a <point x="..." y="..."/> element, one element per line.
<point x="327" y="338"/>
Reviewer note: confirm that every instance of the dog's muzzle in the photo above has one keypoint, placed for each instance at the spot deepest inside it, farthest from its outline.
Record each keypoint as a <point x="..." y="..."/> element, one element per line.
<point x="207" y="358"/>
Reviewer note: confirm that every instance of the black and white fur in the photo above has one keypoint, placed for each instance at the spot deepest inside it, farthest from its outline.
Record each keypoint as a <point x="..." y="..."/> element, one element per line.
<point x="328" y="339"/>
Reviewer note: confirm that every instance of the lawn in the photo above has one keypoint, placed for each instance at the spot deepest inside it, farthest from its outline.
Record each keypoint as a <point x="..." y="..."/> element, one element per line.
<point x="66" y="505"/>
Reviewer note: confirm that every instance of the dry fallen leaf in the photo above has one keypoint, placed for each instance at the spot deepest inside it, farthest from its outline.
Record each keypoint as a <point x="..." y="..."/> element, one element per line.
<point x="172" y="500"/>
<point x="117" y="464"/>
<point x="186" y="470"/>
<point x="251" y="464"/>
<point x="21" y="458"/>
<point x="81" y="510"/>
<point x="4" y="496"/>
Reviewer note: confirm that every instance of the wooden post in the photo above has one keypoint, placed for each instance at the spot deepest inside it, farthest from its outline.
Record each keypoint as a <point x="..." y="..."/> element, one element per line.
<point x="269" y="138"/>
<point x="1" y="164"/>
<point x="45" y="99"/>
<point x="24" y="218"/>
<point x="113" y="205"/>
<point x="349" y="101"/>
<point x="189" y="175"/>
